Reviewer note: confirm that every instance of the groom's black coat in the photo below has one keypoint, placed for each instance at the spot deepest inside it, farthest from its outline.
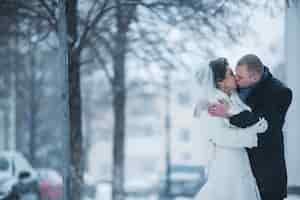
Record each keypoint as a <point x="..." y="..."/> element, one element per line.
<point x="269" y="99"/>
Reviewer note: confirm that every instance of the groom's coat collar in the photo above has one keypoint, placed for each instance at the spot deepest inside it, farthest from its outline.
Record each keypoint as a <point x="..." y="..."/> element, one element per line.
<point x="266" y="75"/>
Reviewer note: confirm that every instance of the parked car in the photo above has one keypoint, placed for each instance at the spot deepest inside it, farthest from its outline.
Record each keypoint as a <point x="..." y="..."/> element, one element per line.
<point x="50" y="184"/>
<point x="18" y="180"/>
<point x="103" y="190"/>
<point x="185" y="181"/>
<point x="141" y="186"/>
<point x="293" y="197"/>
<point x="136" y="188"/>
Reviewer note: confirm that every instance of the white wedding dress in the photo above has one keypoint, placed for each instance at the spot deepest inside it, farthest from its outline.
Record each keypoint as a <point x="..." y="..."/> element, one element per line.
<point x="229" y="171"/>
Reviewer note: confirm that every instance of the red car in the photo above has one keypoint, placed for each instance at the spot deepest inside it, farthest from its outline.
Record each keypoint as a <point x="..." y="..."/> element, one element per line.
<point x="50" y="184"/>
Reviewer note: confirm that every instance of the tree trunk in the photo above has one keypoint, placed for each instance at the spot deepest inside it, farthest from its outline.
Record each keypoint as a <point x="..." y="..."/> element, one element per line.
<point x="123" y="16"/>
<point x="32" y="110"/>
<point x="87" y="110"/>
<point x="75" y="128"/>
<point x="20" y="133"/>
<point x="6" y="123"/>
<point x="76" y="160"/>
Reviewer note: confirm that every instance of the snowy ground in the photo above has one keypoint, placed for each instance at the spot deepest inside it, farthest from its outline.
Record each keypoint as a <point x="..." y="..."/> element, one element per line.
<point x="293" y="197"/>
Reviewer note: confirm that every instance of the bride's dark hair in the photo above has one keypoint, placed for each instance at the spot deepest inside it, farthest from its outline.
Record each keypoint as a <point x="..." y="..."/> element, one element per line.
<point x="218" y="68"/>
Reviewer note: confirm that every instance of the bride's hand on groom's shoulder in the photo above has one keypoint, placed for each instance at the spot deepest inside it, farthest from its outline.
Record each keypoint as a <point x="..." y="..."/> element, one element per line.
<point x="219" y="109"/>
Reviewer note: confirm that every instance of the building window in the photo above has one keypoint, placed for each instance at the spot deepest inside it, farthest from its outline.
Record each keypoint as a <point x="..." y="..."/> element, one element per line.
<point x="184" y="135"/>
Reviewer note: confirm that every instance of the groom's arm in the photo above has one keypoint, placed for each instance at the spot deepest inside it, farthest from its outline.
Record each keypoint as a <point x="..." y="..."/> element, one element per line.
<point x="274" y="112"/>
<point x="245" y="119"/>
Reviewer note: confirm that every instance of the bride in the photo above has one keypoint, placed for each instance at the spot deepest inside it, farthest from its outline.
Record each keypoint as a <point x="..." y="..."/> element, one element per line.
<point x="229" y="172"/>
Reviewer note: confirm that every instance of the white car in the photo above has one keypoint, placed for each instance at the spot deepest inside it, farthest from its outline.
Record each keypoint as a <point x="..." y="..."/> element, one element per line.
<point x="184" y="181"/>
<point x="144" y="187"/>
<point x="17" y="177"/>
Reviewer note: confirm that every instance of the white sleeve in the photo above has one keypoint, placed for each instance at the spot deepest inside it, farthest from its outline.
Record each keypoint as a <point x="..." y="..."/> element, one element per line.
<point x="240" y="137"/>
<point x="220" y="133"/>
<point x="235" y="138"/>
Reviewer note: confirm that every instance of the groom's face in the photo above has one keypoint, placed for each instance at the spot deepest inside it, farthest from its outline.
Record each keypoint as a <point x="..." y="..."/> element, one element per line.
<point x="243" y="77"/>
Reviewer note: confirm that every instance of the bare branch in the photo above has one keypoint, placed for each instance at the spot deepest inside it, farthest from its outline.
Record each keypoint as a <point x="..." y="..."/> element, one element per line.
<point x="26" y="10"/>
<point x="48" y="9"/>
<point x="92" y="24"/>
<point x="102" y="63"/>
<point x="91" y="10"/>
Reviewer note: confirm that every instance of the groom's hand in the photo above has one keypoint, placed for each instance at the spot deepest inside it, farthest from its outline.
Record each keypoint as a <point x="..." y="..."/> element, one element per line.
<point x="218" y="110"/>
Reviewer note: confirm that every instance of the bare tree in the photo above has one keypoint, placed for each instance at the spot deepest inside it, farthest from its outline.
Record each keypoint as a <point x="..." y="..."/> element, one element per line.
<point x="104" y="29"/>
<point x="124" y="15"/>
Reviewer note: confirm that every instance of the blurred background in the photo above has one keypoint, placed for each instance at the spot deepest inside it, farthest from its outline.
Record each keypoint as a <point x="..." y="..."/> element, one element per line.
<point x="97" y="96"/>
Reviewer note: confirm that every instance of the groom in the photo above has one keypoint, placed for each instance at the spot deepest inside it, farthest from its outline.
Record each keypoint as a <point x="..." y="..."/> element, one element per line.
<point x="268" y="98"/>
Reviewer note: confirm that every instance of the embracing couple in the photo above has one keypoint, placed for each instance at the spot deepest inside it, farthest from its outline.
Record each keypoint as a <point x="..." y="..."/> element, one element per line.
<point x="241" y="116"/>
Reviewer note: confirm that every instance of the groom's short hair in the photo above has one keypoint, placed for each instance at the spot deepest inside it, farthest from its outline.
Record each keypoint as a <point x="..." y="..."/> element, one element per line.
<point x="252" y="62"/>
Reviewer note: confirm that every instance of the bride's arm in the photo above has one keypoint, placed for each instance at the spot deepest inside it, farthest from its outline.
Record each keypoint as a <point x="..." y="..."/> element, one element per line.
<point x="235" y="138"/>
<point x="226" y="134"/>
<point x="239" y="138"/>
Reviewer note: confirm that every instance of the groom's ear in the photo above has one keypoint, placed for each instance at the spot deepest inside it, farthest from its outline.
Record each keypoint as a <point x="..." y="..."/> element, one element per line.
<point x="255" y="77"/>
